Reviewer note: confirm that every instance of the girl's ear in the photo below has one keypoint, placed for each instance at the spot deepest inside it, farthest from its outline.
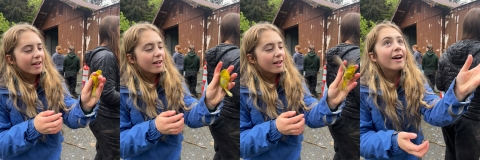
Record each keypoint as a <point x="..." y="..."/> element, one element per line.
<point x="250" y="58"/>
<point x="9" y="59"/>
<point x="372" y="57"/>
<point x="130" y="59"/>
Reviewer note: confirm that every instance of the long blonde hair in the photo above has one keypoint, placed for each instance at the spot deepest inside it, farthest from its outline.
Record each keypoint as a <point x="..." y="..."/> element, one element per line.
<point x="412" y="81"/>
<point x="17" y="85"/>
<point x="132" y="77"/>
<point x="253" y="79"/>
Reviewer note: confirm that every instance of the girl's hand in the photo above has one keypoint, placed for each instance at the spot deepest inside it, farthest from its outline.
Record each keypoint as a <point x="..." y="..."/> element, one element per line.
<point x="47" y="122"/>
<point x="214" y="93"/>
<point x="335" y="94"/>
<point x="289" y="124"/>
<point x="403" y="140"/>
<point x="87" y="101"/>
<point x="169" y="123"/>
<point x="467" y="80"/>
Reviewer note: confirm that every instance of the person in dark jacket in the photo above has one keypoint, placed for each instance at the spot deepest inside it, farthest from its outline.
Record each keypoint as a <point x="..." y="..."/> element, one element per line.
<point x="178" y="59"/>
<point x="106" y="128"/>
<point x="71" y="66"/>
<point x="298" y="59"/>
<point x="225" y="131"/>
<point x="311" y="65"/>
<point x="191" y="65"/>
<point x="58" y="59"/>
<point x="430" y="65"/>
<point x="462" y="138"/>
<point x="34" y="101"/>
<point x="345" y="132"/>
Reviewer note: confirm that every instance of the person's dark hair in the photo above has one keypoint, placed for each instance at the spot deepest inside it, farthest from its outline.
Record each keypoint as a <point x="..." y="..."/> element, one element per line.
<point x="230" y="28"/>
<point x="108" y="32"/>
<point x="350" y="28"/>
<point x="311" y="48"/>
<point x="471" y="24"/>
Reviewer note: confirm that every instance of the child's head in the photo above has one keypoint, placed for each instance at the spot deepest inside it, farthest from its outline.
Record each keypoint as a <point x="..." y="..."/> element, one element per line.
<point x="350" y="28"/>
<point x="230" y="28"/>
<point x="59" y="50"/>
<point x="191" y="48"/>
<point x="71" y="49"/>
<point x="385" y="56"/>
<point x="145" y="60"/>
<point x="27" y="64"/>
<point x="263" y="55"/>
<point x="311" y="48"/>
<point x="298" y="48"/>
<point x="109" y="33"/>
<point x="415" y="48"/>
<point x="178" y="48"/>
<point x="470" y="25"/>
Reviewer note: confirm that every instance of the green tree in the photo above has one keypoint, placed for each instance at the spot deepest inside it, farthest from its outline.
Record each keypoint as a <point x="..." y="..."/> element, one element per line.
<point x="124" y="23"/>
<point x="257" y="10"/>
<point x="4" y="24"/>
<point x="16" y="11"/>
<point x="245" y="24"/>
<point x="34" y="6"/>
<point x="136" y="10"/>
<point x="378" y="10"/>
<point x="365" y="27"/>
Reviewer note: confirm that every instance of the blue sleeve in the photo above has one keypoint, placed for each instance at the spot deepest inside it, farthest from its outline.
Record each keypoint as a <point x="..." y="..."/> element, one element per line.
<point x="320" y="114"/>
<point x="16" y="139"/>
<point x="198" y="115"/>
<point x="135" y="139"/>
<point x="76" y="118"/>
<point x="445" y="110"/>
<point x="255" y="139"/>
<point x="375" y="144"/>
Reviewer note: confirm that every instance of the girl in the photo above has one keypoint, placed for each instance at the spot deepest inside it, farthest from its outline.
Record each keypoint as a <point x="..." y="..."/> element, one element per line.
<point x="32" y="106"/>
<point x="272" y="118"/>
<point x="154" y="102"/>
<point x="178" y="59"/>
<point x="298" y="59"/>
<point x="391" y="102"/>
<point x="345" y="132"/>
<point x="463" y="136"/>
<point x="58" y="59"/>
<point x="106" y="127"/>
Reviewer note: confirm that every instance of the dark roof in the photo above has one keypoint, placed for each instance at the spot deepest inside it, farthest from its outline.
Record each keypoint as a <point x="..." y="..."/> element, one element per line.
<point x="349" y="5"/>
<point x="403" y="5"/>
<point x="287" y="4"/>
<point x="47" y="5"/>
<point x="167" y="4"/>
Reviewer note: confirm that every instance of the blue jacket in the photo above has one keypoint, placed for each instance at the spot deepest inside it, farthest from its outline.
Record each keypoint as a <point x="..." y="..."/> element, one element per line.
<point x="378" y="141"/>
<point x="298" y="59"/>
<point x="20" y="140"/>
<point x="178" y="59"/>
<point x="259" y="137"/>
<point x="141" y="140"/>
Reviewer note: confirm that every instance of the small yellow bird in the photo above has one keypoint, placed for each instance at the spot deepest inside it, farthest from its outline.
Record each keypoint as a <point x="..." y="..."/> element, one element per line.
<point x="224" y="80"/>
<point x="95" y="82"/>
<point x="348" y="72"/>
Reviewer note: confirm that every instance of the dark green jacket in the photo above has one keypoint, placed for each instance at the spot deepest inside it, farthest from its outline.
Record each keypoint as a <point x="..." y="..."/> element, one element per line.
<point x="311" y="62"/>
<point x="430" y="61"/>
<point x="191" y="62"/>
<point x="71" y="63"/>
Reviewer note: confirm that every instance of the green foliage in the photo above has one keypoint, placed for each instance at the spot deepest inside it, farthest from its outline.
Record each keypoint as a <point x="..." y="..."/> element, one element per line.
<point x="4" y="24"/>
<point x="245" y="24"/>
<point x="136" y="10"/>
<point x="17" y="11"/>
<point x="378" y="10"/>
<point x="257" y="10"/>
<point x="365" y="27"/>
<point x="124" y="23"/>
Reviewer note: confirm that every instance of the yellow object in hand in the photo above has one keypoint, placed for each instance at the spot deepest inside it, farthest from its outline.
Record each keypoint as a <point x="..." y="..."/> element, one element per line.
<point x="348" y="72"/>
<point x="95" y="82"/>
<point x="224" y="80"/>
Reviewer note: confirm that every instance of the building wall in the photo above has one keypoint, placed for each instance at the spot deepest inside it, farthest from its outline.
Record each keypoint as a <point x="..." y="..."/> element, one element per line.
<point x="212" y="37"/>
<point x="454" y="23"/>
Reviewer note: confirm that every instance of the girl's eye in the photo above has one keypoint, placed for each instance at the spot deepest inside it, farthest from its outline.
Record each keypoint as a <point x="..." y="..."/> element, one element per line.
<point x="269" y="50"/>
<point x="387" y="43"/>
<point x="280" y="47"/>
<point x="40" y="49"/>
<point x="149" y="50"/>
<point x="400" y="41"/>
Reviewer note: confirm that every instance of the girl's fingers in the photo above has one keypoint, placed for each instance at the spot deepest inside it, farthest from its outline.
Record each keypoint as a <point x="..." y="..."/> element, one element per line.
<point x="230" y="68"/>
<point x="339" y="76"/>
<point x="216" y="75"/>
<point x="467" y="64"/>
<point x="233" y="77"/>
<point x="231" y="85"/>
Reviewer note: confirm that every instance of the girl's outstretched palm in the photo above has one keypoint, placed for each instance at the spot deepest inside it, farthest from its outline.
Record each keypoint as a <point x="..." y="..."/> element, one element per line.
<point x="467" y="80"/>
